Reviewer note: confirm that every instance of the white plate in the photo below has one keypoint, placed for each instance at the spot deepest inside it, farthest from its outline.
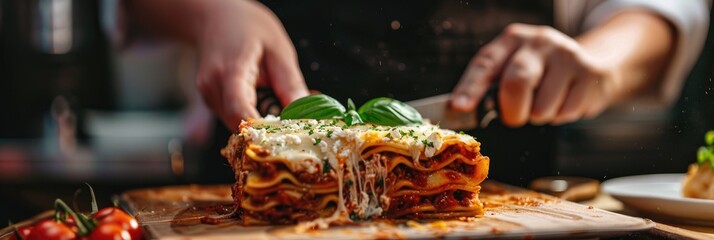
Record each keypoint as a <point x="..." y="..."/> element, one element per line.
<point x="661" y="195"/>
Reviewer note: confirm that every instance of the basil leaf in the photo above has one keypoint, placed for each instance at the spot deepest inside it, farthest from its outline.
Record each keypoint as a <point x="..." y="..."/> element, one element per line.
<point x="706" y="153"/>
<point x="389" y="112"/>
<point x="702" y="155"/>
<point x="318" y="106"/>
<point x="351" y="116"/>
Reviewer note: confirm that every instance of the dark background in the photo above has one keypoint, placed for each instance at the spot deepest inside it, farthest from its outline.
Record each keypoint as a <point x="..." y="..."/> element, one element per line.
<point x="378" y="61"/>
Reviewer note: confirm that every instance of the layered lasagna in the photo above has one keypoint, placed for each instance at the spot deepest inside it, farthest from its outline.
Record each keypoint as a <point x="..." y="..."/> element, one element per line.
<point x="325" y="172"/>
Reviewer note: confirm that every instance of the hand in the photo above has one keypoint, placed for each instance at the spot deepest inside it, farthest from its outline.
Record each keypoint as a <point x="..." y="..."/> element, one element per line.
<point x="242" y="46"/>
<point x="545" y="77"/>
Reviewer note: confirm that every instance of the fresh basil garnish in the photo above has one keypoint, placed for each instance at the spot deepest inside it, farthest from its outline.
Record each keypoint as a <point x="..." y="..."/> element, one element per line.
<point x="318" y="106"/>
<point x="706" y="153"/>
<point x="389" y="112"/>
<point x="351" y="116"/>
<point x="380" y="111"/>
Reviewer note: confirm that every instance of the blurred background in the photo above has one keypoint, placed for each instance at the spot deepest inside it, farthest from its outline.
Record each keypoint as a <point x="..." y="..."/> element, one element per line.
<point x="87" y="97"/>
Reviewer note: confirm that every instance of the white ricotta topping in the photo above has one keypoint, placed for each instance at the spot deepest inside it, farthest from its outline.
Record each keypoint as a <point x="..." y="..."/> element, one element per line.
<point x="433" y="143"/>
<point x="293" y="139"/>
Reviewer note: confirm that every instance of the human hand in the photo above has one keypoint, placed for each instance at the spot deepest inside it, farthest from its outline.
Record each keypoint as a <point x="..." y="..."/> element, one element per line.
<point x="242" y="46"/>
<point x="546" y="77"/>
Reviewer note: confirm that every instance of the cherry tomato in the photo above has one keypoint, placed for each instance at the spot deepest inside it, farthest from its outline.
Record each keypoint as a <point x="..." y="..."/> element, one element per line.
<point x="109" y="232"/>
<point x="24" y="232"/>
<point x="112" y="215"/>
<point x="69" y="221"/>
<point x="51" y="230"/>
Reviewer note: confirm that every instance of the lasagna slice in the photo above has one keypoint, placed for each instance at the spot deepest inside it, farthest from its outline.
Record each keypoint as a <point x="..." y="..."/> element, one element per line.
<point x="290" y="171"/>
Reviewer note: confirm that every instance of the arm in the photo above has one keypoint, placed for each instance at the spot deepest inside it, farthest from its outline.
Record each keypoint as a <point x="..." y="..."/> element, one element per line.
<point x="548" y="77"/>
<point x="241" y="46"/>
<point x="636" y="45"/>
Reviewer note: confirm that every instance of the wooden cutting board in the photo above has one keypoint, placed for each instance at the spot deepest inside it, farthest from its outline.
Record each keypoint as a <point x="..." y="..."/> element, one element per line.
<point x="174" y="212"/>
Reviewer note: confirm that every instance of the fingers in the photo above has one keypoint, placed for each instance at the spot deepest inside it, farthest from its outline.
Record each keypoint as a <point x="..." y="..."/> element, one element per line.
<point x="519" y="80"/>
<point x="228" y="86"/>
<point x="545" y="78"/>
<point x="552" y="91"/>
<point x="480" y="73"/>
<point x="208" y="84"/>
<point x="576" y="102"/>
<point x="238" y="90"/>
<point x="285" y="76"/>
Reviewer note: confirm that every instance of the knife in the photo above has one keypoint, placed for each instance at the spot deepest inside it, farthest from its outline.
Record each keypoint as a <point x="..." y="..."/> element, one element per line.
<point x="438" y="110"/>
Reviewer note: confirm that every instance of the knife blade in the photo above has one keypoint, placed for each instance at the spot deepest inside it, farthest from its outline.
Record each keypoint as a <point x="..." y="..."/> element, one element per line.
<point x="437" y="110"/>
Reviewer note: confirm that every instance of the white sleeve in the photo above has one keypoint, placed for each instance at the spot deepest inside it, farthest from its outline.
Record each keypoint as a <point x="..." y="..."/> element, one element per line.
<point x="689" y="17"/>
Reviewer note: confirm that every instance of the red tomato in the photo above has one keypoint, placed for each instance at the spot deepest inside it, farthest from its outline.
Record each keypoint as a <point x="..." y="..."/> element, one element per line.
<point x="69" y="221"/>
<point x="112" y="215"/>
<point x="23" y="231"/>
<point x="51" y="230"/>
<point x="109" y="232"/>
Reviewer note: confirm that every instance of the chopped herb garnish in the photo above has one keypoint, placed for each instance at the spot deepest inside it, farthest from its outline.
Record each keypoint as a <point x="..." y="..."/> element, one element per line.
<point x="317" y="141"/>
<point x="325" y="166"/>
<point x="427" y="143"/>
<point x="310" y="132"/>
<point x="402" y="133"/>
<point x="307" y="126"/>
<point x="329" y="133"/>
<point x="411" y="132"/>
<point x="389" y="135"/>
<point x="462" y="132"/>
<point x="348" y="183"/>
<point x="354" y="217"/>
